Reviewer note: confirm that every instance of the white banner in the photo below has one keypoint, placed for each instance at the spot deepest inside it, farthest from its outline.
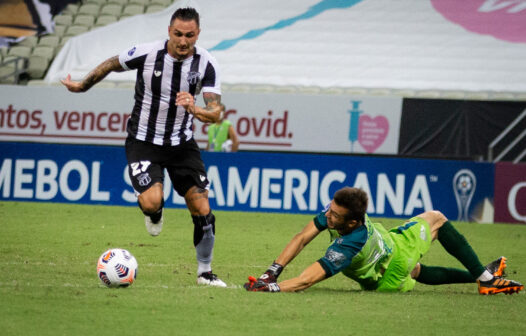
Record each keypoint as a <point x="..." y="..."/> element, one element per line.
<point x="265" y="122"/>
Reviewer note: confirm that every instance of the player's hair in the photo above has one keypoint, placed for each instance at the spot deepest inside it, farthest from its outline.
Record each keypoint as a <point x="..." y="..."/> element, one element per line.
<point x="185" y="14"/>
<point x="354" y="200"/>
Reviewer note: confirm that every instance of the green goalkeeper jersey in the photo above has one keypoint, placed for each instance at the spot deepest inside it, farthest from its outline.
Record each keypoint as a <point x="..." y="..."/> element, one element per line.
<point x="362" y="255"/>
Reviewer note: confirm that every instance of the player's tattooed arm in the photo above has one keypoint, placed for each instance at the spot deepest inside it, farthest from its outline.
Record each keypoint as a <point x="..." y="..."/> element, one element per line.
<point x="209" y="113"/>
<point x="95" y="76"/>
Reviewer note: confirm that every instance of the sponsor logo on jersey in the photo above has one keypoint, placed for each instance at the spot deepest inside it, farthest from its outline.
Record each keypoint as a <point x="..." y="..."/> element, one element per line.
<point x="132" y="50"/>
<point x="193" y="77"/>
<point x="336" y="258"/>
<point x="423" y="235"/>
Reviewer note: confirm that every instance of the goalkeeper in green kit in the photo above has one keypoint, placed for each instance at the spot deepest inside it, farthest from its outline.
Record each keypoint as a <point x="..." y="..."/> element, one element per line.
<point x="379" y="259"/>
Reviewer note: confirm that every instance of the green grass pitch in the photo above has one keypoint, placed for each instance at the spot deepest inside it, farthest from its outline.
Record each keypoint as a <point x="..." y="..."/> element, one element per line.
<point x="49" y="286"/>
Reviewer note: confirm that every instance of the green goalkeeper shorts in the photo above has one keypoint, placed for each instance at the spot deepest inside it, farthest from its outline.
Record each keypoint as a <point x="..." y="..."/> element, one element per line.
<point x="412" y="240"/>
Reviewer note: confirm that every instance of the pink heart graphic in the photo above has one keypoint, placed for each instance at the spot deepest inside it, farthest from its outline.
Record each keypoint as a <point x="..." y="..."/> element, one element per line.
<point x="372" y="132"/>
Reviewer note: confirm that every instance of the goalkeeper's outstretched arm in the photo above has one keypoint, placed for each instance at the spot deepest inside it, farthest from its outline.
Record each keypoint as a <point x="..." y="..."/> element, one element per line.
<point x="297" y="243"/>
<point x="310" y="276"/>
<point x="293" y="248"/>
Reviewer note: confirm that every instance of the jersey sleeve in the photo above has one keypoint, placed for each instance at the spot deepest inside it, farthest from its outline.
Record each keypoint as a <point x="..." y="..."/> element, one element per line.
<point x="211" y="81"/>
<point x="340" y="254"/>
<point x="320" y="221"/>
<point x="134" y="57"/>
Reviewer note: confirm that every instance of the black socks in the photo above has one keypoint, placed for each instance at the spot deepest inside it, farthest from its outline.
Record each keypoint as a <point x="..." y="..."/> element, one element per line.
<point x="456" y="245"/>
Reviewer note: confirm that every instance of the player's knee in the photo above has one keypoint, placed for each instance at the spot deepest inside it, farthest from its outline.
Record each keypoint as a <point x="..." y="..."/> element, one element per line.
<point x="150" y="203"/>
<point x="197" y="201"/>
<point x="149" y="206"/>
<point x="151" y="200"/>
<point x="435" y="218"/>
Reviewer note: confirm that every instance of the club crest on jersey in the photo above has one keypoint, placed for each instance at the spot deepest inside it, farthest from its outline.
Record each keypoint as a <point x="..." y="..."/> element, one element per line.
<point x="193" y="77"/>
<point x="157" y="73"/>
<point x="132" y="50"/>
<point x="144" y="179"/>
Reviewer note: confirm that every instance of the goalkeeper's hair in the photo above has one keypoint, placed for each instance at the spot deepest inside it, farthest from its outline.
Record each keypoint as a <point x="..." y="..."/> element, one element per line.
<point x="185" y="14"/>
<point x="354" y="200"/>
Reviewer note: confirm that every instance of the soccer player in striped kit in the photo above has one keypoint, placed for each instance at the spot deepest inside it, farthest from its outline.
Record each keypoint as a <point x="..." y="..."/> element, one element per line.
<point x="170" y="73"/>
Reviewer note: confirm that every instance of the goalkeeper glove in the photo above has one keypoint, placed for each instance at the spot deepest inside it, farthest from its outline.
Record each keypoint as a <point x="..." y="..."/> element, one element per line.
<point x="257" y="285"/>
<point x="272" y="274"/>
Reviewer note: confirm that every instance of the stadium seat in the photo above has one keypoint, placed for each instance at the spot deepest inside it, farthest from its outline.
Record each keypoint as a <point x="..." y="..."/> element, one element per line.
<point x="11" y="61"/>
<point x="332" y="90"/>
<point x="404" y="93"/>
<point x="380" y="92"/>
<point x="37" y="66"/>
<point x="235" y="87"/>
<point x="125" y="85"/>
<point x="286" y="89"/>
<point x="29" y="41"/>
<point x="453" y="94"/>
<point x="63" y="41"/>
<point x="7" y="75"/>
<point x="309" y="90"/>
<point x="106" y="84"/>
<point x="140" y="2"/>
<point x="63" y="19"/>
<point x="105" y="19"/>
<point x="75" y="30"/>
<point x="11" y="68"/>
<point x="44" y="51"/>
<point x="131" y="10"/>
<point x="428" y="94"/>
<point x="36" y="82"/>
<point x="97" y="2"/>
<point x="501" y="96"/>
<point x="71" y="9"/>
<point x="84" y="20"/>
<point x="118" y="2"/>
<point x="21" y="51"/>
<point x="111" y="9"/>
<point x="155" y="8"/>
<point x="355" y="91"/>
<point x="49" y="40"/>
<point x="164" y="3"/>
<point x="263" y="88"/>
<point x="60" y="30"/>
<point x="90" y="9"/>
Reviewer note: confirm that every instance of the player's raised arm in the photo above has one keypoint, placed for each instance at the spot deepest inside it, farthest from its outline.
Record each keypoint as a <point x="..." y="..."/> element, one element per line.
<point x="209" y="114"/>
<point x="95" y="76"/>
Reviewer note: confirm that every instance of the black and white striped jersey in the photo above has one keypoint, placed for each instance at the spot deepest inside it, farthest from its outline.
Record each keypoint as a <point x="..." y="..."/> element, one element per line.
<point x="155" y="117"/>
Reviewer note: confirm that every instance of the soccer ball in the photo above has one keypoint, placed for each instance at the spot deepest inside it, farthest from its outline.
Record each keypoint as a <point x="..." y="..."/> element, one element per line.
<point x="117" y="268"/>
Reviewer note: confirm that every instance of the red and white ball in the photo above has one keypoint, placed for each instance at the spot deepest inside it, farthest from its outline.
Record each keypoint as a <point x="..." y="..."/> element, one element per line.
<point x="117" y="268"/>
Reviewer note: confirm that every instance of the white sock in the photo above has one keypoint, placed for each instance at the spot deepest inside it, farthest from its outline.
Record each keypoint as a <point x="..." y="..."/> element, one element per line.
<point x="203" y="267"/>
<point x="486" y="276"/>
